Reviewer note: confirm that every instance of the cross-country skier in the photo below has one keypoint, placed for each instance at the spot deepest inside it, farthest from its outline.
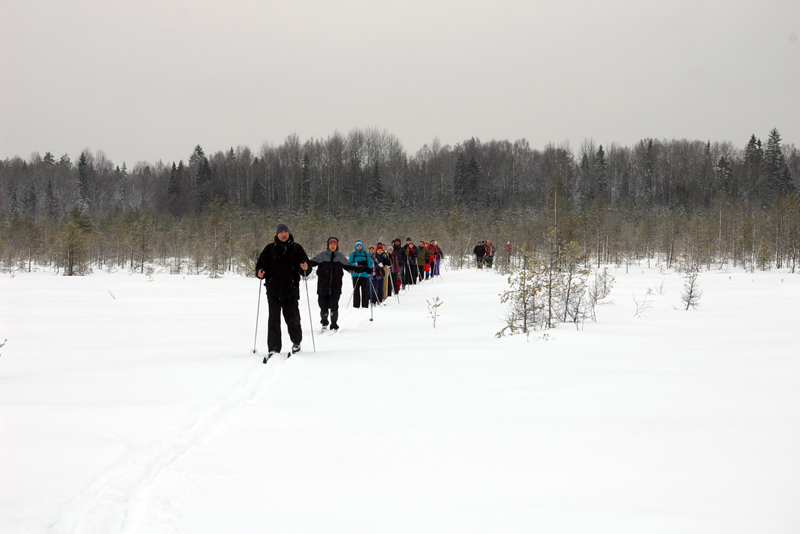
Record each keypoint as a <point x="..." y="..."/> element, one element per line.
<point x="376" y="277"/>
<point x="438" y="256"/>
<point x="490" y="250"/>
<point x="400" y="254"/>
<point x="280" y="265"/>
<point x="394" y="271"/>
<point x="424" y="257"/>
<point x="410" y="252"/>
<point x="480" y="252"/>
<point x="360" y="257"/>
<point x="330" y="265"/>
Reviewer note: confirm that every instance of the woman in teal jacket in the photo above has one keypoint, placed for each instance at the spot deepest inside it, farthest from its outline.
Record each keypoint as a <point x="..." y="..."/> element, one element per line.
<point x="359" y="256"/>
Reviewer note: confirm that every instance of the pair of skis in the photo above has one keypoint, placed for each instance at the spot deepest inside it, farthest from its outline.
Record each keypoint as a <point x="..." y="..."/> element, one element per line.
<point x="271" y="354"/>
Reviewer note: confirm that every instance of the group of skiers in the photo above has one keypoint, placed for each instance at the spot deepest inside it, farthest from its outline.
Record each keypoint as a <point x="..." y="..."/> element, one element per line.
<point x="377" y="273"/>
<point x="484" y="253"/>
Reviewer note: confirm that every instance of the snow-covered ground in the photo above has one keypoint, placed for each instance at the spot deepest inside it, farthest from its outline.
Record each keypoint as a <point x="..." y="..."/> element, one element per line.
<point x="130" y="404"/>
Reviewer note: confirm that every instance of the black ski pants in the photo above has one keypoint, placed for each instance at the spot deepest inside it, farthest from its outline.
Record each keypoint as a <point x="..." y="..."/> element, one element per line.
<point x="360" y="292"/>
<point x="414" y="271"/>
<point x="329" y="303"/>
<point x="291" y="314"/>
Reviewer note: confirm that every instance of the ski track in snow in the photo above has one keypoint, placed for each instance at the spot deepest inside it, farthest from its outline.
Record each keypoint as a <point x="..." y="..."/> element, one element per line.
<point x="118" y="500"/>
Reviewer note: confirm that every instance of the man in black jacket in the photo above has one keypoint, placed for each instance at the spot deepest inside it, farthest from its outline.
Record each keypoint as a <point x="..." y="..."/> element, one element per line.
<point x="331" y="265"/>
<point x="280" y="266"/>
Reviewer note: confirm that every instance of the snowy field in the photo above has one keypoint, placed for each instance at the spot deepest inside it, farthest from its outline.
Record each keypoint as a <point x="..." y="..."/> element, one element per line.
<point x="134" y="404"/>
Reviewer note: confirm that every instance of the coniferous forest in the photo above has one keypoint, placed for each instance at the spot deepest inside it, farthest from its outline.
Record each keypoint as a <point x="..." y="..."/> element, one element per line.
<point x="657" y="202"/>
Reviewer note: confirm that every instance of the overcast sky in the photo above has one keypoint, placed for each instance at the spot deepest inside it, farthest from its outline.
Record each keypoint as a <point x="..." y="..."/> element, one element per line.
<point x="149" y="80"/>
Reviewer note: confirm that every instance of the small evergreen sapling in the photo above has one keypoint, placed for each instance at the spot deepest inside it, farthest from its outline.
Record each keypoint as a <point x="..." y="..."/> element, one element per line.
<point x="525" y="298"/>
<point x="690" y="296"/>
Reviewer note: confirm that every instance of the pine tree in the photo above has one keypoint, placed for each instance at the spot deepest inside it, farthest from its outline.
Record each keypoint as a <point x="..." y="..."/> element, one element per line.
<point x="377" y="193"/>
<point x="50" y="200"/>
<point x="764" y="255"/>
<point x="602" y="176"/>
<point x="83" y="182"/>
<point x="29" y="200"/>
<point x="753" y="162"/>
<point x="690" y="296"/>
<point x="197" y="156"/>
<point x="724" y="175"/>
<point x="122" y="185"/>
<point x="778" y="177"/>
<point x="174" y="184"/>
<point x="73" y="245"/>
<point x="525" y="297"/>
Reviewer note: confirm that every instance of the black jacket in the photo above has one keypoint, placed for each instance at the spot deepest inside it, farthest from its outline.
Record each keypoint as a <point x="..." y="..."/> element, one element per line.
<point x="281" y="265"/>
<point x="330" y="269"/>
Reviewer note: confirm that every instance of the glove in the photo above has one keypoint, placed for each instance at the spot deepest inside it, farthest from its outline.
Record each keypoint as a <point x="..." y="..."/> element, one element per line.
<point x="380" y="265"/>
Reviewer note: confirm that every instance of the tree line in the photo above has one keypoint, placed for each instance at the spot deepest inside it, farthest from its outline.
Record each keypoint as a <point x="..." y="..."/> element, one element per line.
<point x="654" y="201"/>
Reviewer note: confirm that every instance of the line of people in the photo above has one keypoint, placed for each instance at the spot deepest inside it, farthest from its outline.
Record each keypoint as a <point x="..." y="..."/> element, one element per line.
<point x="377" y="273"/>
<point x="392" y="268"/>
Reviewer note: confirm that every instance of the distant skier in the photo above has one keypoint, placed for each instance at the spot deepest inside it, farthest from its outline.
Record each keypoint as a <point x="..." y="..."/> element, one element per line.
<point x="375" y="277"/>
<point x="489" y="256"/>
<point x="438" y="256"/>
<point x="480" y="252"/>
<point x="424" y="257"/>
<point x="410" y="252"/>
<point x="384" y="258"/>
<point x="280" y="265"/>
<point x="401" y="277"/>
<point x="394" y="271"/>
<point x="330" y="265"/>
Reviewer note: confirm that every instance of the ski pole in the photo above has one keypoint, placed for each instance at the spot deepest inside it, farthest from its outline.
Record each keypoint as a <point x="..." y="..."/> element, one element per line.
<point x="310" y="318"/>
<point x="355" y="285"/>
<point x="258" y="310"/>
<point x="375" y="292"/>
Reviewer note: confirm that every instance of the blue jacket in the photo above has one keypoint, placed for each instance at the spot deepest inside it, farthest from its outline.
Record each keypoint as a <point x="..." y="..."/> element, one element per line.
<point x="360" y="258"/>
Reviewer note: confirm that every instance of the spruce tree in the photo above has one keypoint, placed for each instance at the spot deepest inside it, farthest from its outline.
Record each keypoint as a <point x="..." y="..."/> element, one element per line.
<point x="83" y="182"/>
<point x="50" y="200"/>
<point x="602" y="192"/>
<point x="779" y="180"/>
<point x="122" y="185"/>
<point x="753" y="162"/>
<point x="377" y="193"/>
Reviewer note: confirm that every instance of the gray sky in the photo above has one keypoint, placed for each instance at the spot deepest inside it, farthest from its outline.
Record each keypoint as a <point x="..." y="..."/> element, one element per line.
<point x="149" y="80"/>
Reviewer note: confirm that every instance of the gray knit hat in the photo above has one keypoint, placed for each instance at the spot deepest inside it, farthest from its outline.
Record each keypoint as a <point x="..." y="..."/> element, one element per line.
<point x="282" y="227"/>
